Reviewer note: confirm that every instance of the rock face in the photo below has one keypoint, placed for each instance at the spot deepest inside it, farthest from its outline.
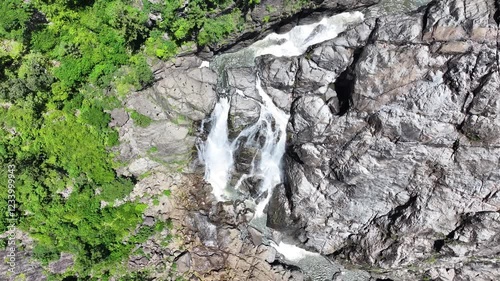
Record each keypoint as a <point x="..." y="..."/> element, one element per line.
<point x="394" y="152"/>
<point x="393" y="159"/>
<point x="183" y="95"/>
<point x="206" y="240"/>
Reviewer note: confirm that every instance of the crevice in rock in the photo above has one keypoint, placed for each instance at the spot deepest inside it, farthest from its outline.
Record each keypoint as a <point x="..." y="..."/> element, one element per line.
<point x="384" y="279"/>
<point x="482" y="81"/>
<point x="399" y="210"/>
<point x="288" y="193"/>
<point x="375" y="122"/>
<point x="455" y="147"/>
<point x="426" y="15"/>
<point x="290" y="151"/>
<point x="371" y="37"/>
<point x="438" y="245"/>
<point x="496" y="16"/>
<point x="180" y="255"/>
<point x="133" y="179"/>
<point x="344" y="84"/>
<point x="285" y="266"/>
<point x="465" y="219"/>
<point x="490" y="195"/>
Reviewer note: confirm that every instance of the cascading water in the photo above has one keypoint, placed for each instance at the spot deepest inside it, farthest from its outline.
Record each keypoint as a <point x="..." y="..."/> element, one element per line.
<point x="267" y="135"/>
<point x="217" y="152"/>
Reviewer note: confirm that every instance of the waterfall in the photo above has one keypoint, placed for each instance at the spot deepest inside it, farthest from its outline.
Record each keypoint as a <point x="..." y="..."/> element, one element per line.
<point x="296" y="41"/>
<point x="268" y="133"/>
<point x="217" y="152"/>
<point x="268" y="167"/>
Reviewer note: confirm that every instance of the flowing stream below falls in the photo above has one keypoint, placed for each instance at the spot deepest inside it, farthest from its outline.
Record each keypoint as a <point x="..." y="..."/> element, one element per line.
<point x="267" y="136"/>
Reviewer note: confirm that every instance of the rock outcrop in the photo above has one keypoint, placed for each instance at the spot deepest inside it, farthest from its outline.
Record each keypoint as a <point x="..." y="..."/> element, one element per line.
<point x="393" y="161"/>
<point x="206" y="240"/>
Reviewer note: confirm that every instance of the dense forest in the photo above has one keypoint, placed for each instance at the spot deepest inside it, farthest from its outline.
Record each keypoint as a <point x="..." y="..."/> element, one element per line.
<point x="63" y="65"/>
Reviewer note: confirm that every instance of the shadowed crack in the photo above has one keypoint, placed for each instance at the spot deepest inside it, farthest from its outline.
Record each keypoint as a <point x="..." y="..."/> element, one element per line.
<point x="344" y="84"/>
<point x="426" y="15"/>
<point x="496" y="16"/>
<point x="482" y="81"/>
<point x="399" y="210"/>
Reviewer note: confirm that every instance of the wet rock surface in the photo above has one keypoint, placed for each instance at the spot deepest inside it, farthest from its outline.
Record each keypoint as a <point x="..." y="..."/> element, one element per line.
<point x="392" y="165"/>
<point x="404" y="181"/>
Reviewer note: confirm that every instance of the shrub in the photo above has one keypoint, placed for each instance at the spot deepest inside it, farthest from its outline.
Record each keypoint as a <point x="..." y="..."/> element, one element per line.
<point x="139" y="119"/>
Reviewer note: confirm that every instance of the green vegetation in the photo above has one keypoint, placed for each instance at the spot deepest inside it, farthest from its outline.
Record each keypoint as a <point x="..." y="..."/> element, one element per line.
<point x="63" y="64"/>
<point x="139" y="119"/>
<point x="59" y="62"/>
<point x="156" y="202"/>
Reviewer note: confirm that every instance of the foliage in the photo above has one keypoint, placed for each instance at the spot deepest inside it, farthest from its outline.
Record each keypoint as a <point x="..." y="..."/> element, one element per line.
<point x="63" y="64"/>
<point x="14" y="23"/>
<point x="53" y="84"/>
<point x="193" y="22"/>
<point x="215" y="30"/>
<point x="117" y="189"/>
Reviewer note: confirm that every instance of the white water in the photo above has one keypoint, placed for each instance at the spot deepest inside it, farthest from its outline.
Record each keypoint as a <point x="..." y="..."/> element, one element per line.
<point x="292" y="252"/>
<point x="204" y="64"/>
<point x="268" y="134"/>
<point x="268" y="167"/>
<point x="217" y="152"/>
<point x="296" y="41"/>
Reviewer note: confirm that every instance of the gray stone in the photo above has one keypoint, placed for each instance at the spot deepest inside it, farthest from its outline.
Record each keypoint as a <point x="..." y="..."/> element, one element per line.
<point x="149" y="221"/>
<point x="407" y="175"/>
<point x="279" y="212"/>
<point x="184" y="263"/>
<point x="60" y="266"/>
<point x="118" y="117"/>
<point x="255" y="235"/>
<point x="187" y="92"/>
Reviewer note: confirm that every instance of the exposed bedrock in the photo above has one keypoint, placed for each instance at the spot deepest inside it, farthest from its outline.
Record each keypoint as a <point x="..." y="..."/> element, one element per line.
<point x="393" y="157"/>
